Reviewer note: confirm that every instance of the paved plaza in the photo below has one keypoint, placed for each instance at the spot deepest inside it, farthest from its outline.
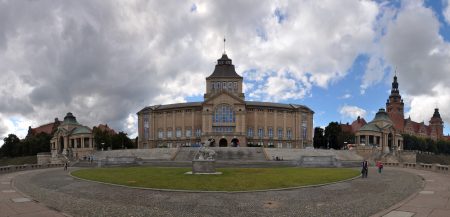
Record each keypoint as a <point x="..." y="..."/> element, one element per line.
<point x="396" y="193"/>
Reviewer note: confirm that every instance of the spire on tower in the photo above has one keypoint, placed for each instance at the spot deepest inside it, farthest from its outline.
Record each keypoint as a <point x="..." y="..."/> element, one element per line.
<point x="224" y="40"/>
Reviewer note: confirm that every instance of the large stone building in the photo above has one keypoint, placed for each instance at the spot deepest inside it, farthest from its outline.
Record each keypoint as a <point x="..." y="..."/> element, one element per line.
<point x="72" y="139"/>
<point x="388" y="125"/>
<point x="225" y="118"/>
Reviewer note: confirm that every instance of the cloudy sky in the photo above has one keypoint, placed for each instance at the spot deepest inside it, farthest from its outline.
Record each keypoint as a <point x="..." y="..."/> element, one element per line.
<point x="106" y="60"/>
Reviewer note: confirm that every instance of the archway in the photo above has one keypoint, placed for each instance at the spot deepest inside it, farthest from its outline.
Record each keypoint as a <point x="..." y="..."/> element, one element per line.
<point x="390" y="141"/>
<point x="223" y="142"/>
<point x="61" y="144"/>
<point x="235" y="142"/>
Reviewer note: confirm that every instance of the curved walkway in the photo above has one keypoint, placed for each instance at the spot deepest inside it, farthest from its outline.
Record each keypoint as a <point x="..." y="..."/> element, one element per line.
<point x="360" y="197"/>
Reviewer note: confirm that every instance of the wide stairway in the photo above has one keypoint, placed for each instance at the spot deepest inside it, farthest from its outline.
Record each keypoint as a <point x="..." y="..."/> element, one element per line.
<point x="225" y="154"/>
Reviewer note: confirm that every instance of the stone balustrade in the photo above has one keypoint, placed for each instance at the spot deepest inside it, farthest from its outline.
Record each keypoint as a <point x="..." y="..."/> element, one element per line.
<point x="421" y="166"/>
<point x="15" y="168"/>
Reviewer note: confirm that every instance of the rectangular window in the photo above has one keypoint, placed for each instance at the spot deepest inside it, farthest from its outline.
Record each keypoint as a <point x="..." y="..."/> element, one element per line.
<point x="270" y="144"/>
<point x="146" y="127"/>
<point x="270" y="132"/>
<point x="288" y="134"/>
<point x="72" y="143"/>
<point x="169" y="133"/>
<point x="304" y="130"/>
<point x="288" y="145"/>
<point x="280" y="133"/>
<point x="280" y="145"/>
<point x="235" y="85"/>
<point x="260" y="132"/>
<point x="160" y="134"/>
<point x="250" y="132"/>
<point x="178" y="133"/>
<point x="188" y="133"/>
<point x="224" y="85"/>
<point x="78" y="142"/>
<point x="198" y="132"/>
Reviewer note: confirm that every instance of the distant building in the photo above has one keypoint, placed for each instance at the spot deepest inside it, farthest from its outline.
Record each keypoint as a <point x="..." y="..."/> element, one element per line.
<point x="225" y="118"/>
<point x="352" y="128"/>
<point x="105" y="128"/>
<point x="72" y="139"/>
<point x="48" y="128"/>
<point x="387" y="133"/>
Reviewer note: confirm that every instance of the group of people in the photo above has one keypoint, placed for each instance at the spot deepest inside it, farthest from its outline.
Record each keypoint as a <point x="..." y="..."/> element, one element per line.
<point x="365" y="168"/>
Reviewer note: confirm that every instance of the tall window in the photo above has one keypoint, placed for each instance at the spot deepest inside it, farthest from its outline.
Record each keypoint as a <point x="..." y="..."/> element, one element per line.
<point x="178" y="133"/>
<point x="280" y="133"/>
<point x="188" y="132"/>
<point x="160" y="134"/>
<point x="224" y="114"/>
<point x="198" y="132"/>
<point x="304" y="130"/>
<point x="288" y="134"/>
<point x="146" y="127"/>
<point x="169" y="133"/>
<point x="250" y="132"/>
<point x="260" y="132"/>
<point x="270" y="132"/>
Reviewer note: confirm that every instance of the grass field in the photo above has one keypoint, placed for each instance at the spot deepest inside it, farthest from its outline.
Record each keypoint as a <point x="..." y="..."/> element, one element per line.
<point x="232" y="179"/>
<point x="18" y="160"/>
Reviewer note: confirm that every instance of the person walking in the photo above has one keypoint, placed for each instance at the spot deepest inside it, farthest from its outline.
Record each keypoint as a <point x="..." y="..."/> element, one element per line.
<point x="365" y="169"/>
<point x="380" y="167"/>
<point x="65" y="166"/>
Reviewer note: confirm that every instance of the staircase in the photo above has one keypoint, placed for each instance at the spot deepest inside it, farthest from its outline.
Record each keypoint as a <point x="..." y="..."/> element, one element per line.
<point x="225" y="154"/>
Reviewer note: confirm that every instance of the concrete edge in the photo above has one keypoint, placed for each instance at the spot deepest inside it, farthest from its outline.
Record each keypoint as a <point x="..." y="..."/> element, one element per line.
<point x="33" y="199"/>
<point x="228" y="192"/>
<point x="402" y="202"/>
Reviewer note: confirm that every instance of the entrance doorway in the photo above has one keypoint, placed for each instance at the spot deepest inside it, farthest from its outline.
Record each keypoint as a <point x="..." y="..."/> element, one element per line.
<point x="235" y="142"/>
<point x="61" y="144"/>
<point x="223" y="142"/>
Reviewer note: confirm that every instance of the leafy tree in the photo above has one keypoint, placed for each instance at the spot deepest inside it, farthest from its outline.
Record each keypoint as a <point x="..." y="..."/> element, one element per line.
<point x="319" y="139"/>
<point x="10" y="145"/>
<point x="333" y="135"/>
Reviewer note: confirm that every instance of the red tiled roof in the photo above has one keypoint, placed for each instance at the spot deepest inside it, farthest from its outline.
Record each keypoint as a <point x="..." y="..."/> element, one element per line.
<point x="346" y="128"/>
<point x="104" y="127"/>
<point x="358" y="123"/>
<point x="46" y="128"/>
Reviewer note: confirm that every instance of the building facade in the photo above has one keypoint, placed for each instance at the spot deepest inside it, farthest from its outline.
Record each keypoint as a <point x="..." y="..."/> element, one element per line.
<point x="225" y="118"/>
<point x="72" y="139"/>
<point x="395" y="110"/>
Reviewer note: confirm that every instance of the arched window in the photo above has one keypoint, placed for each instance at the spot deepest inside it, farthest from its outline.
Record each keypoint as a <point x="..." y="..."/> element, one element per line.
<point x="224" y="114"/>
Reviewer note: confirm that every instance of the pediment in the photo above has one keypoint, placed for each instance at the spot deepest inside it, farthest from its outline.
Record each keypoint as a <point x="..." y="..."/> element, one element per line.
<point x="224" y="97"/>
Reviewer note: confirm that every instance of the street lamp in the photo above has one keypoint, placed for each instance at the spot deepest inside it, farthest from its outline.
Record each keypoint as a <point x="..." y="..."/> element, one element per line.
<point x="103" y="145"/>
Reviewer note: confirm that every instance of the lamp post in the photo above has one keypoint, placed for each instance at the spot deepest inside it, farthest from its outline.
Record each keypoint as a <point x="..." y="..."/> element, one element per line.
<point x="103" y="145"/>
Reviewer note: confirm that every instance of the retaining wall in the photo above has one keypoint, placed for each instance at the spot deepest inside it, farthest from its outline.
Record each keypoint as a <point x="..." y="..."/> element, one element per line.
<point x="15" y="168"/>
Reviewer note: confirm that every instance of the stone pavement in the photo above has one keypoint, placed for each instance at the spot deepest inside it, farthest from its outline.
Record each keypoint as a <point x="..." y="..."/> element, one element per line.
<point x="53" y="188"/>
<point x="432" y="201"/>
<point x="17" y="204"/>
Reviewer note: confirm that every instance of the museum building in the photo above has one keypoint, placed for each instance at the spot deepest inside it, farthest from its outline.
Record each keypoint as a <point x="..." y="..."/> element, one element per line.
<point x="225" y="119"/>
<point x="389" y="124"/>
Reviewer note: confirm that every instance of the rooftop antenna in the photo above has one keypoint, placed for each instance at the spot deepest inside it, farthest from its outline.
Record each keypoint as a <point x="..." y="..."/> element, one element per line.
<point x="395" y="72"/>
<point x="224" y="40"/>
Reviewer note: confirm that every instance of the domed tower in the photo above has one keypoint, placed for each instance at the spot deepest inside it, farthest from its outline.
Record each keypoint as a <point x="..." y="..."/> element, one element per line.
<point x="395" y="106"/>
<point x="436" y="125"/>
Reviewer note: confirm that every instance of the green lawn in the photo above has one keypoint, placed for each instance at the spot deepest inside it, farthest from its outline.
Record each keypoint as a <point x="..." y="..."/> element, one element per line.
<point x="18" y="160"/>
<point x="232" y="179"/>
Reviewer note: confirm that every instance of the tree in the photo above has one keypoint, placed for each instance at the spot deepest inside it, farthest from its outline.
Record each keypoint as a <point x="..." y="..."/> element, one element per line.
<point x="333" y="135"/>
<point x="10" y="145"/>
<point x="319" y="139"/>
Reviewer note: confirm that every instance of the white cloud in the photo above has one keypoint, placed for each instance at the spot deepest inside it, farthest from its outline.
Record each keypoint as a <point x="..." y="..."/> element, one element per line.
<point x="351" y="112"/>
<point x="446" y="11"/>
<point x="345" y="96"/>
<point x="103" y="60"/>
